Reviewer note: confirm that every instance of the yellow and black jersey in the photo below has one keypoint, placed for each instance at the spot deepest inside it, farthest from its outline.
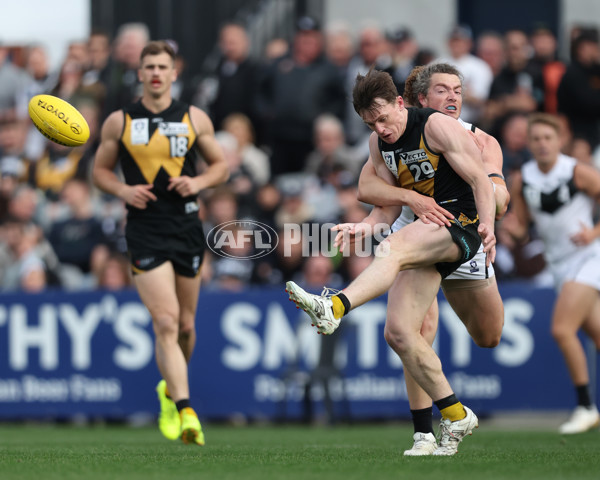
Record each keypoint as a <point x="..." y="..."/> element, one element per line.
<point x="155" y="147"/>
<point x="419" y="168"/>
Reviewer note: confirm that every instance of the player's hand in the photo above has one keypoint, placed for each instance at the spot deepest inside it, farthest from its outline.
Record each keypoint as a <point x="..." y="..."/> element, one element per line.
<point x="350" y="233"/>
<point x="583" y="237"/>
<point x="184" y="186"/>
<point x="429" y="211"/>
<point x="138" y="196"/>
<point x="486" y="232"/>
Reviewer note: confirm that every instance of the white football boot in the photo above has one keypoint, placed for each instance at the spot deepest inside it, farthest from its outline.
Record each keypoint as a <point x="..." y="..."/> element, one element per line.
<point x="318" y="307"/>
<point x="582" y="419"/>
<point x="452" y="433"/>
<point x="425" y="444"/>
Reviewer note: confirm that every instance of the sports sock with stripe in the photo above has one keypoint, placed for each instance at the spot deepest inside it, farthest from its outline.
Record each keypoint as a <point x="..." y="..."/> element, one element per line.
<point x="450" y="408"/>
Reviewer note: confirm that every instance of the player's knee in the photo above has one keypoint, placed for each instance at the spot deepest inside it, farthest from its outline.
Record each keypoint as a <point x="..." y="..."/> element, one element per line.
<point x="166" y="325"/>
<point x="186" y="330"/>
<point x="392" y="253"/>
<point x="560" y="332"/>
<point x="397" y="339"/>
<point x="487" y="340"/>
<point x="428" y="330"/>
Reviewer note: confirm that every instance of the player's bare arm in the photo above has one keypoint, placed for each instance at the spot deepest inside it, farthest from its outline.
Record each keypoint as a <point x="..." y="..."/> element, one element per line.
<point x="380" y="188"/>
<point x="105" y="162"/>
<point x="516" y="221"/>
<point x="447" y="136"/>
<point x="217" y="171"/>
<point x="491" y="154"/>
<point x="587" y="179"/>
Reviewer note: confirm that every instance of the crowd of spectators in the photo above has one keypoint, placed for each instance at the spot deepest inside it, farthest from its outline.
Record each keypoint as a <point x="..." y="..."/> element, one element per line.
<point x="285" y="121"/>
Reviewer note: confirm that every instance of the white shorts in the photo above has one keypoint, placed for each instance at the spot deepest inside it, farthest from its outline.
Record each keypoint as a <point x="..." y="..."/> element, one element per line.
<point x="474" y="269"/>
<point x="583" y="266"/>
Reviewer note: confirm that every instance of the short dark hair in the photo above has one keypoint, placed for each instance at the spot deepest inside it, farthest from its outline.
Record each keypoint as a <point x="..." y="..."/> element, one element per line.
<point x="157" y="47"/>
<point x="375" y="84"/>
<point x="419" y="80"/>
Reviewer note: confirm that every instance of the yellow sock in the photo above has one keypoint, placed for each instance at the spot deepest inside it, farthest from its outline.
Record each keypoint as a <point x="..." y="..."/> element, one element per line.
<point x="167" y="392"/>
<point x="454" y="412"/>
<point x="338" y="307"/>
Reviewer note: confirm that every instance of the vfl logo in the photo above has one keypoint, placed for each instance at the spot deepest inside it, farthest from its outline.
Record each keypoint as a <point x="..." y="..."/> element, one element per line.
<point x="388" y="158"/>
<point x="242" y="239"/>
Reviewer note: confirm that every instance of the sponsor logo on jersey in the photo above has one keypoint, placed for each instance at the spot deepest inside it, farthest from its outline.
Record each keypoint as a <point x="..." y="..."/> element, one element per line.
<point x="413" y="156"/>
<point x="173" y="128"/>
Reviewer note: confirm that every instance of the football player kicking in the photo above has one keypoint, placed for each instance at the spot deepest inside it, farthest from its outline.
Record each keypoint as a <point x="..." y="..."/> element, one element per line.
<point x="471" y="290"/>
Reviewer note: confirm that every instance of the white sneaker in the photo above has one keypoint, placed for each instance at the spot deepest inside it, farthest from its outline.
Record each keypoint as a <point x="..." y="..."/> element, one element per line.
<point x="318" y="307"/>
<point x="452" y="433"/>
<point x="425" y="444"/>
<point x="582" y="419"/>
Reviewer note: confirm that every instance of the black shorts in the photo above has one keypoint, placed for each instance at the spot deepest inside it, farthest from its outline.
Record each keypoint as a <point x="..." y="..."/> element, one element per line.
<point x="463" y="229"/>
<point x="152" y="242"/>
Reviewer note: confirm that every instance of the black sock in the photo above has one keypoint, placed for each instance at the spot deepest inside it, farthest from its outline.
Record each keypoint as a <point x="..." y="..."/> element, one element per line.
<point x="446" y="402"/>
<point x="423" y="420"/>
<point x="181" y="404"/>
<point x="344" y="299"/>
<point x="583" y="396"/>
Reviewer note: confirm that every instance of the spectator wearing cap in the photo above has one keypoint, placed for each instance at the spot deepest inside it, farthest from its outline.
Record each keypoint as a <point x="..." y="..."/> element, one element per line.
<point x="579" y="90"/>
<point x="477" y="75"/>
<point x="295" y="90"/>
<point x="404" y="51"/>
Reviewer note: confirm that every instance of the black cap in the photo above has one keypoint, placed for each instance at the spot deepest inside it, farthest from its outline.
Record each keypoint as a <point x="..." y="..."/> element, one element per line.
<point x="586" y="35"/>
<point x="399" y="34"/>
<point x="461" y="31"/>
<point x="308" y="24"/>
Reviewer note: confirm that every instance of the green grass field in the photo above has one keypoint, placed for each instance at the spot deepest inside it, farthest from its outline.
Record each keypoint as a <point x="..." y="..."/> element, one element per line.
<point x="365" y="452"/>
